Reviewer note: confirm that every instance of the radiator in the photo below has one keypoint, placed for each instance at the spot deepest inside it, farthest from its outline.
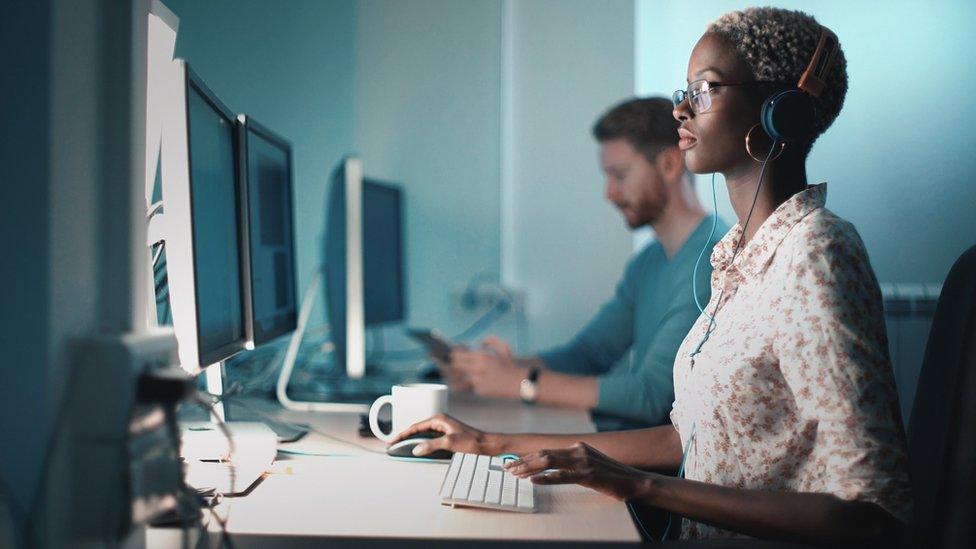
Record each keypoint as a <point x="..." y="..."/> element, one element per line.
<point x="908" y="315"/>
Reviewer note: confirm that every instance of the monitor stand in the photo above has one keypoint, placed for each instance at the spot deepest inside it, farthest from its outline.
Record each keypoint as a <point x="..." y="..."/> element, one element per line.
<point x="340" y="401"/>
<point x="227" y="457"/>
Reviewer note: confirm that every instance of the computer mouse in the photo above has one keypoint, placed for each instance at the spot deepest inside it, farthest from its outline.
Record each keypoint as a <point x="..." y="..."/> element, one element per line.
<point x="405" y="447"/>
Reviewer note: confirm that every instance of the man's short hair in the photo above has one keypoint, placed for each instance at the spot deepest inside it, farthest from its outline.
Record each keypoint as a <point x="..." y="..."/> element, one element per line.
<point x="645" y="122"/>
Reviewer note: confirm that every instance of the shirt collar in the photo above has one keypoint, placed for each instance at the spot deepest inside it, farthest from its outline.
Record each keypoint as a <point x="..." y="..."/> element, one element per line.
<point x="760" y="249"/>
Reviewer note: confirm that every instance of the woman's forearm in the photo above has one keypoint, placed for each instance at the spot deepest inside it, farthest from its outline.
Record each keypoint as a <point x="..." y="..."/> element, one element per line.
<point x="653" y="448"/>
<point x="802" y="517"/>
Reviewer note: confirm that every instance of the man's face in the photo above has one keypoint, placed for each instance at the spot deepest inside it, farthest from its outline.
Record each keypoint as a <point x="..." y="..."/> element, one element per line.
<point x="633" y="184"/>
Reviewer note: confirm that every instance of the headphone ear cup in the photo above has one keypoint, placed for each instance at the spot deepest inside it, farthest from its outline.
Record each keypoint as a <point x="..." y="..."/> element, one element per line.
<point x="788" y="115"/>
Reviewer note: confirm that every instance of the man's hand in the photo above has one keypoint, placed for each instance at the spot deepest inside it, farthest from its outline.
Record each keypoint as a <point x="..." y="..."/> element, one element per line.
<point x="584" y="465"/>
<point x="458" y="437"/>
<point x="491" y="371"/>
<point x="451" y="377"/>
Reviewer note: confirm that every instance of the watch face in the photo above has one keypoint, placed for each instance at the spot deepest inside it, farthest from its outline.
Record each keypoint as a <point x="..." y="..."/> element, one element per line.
<point x="528" y="390"/>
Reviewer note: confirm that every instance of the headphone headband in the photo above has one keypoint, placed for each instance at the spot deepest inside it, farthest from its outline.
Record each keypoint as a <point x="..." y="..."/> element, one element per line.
<point x="814" y="78"/>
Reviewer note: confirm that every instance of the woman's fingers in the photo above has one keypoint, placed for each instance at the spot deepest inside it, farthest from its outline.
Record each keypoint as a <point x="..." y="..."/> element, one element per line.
<point x="445" y="442"/>
<point x="535" y="463"/>
<point x="436" y="423"/>
<point x="560" y="476"/>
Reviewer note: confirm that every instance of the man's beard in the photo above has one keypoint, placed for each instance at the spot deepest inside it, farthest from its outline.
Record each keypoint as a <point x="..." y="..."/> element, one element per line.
<point x="643" y="218"/>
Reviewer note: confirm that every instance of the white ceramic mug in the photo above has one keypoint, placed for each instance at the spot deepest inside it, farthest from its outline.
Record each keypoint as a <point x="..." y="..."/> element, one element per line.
<point x="410" y="403"/>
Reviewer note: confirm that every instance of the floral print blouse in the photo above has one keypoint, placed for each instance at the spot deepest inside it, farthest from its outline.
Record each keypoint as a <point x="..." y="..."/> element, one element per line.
<point x="792" y="389"/>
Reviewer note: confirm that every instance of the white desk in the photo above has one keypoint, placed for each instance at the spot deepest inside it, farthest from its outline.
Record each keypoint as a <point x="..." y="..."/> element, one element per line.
<point x="355" y="494"/>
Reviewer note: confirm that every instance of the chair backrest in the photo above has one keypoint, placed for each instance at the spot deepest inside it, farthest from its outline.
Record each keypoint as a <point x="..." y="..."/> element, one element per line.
<point x="943" y="422"/>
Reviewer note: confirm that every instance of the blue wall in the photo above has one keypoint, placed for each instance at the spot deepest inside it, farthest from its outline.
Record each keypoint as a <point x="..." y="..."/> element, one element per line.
<point x="567" y="61"/>
<point x="899" y="157"/>
<point x="290" y="65"/>
<point x="428" y="77"/>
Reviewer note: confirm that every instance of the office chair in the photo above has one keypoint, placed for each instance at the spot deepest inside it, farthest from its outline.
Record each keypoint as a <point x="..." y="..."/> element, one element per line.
<point x="942" y="428"/>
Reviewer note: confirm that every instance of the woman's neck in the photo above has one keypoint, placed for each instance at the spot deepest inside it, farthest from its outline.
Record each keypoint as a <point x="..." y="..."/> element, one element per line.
<point x="782" y="179"/>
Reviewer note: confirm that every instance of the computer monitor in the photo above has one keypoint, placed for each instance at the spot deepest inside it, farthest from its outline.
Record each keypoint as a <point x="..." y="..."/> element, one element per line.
<point x="267" y="235"/>
<point x="201" y="224"/>
<point x="383" y="278"/>
<point x="363" y="260"/>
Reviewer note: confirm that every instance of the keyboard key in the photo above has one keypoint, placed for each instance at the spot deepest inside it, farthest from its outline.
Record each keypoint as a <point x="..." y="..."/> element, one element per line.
<point x="526" y="498"/>
<point x="452" y="473"/>
<point x="463" y="485"/>
<point x="493" y="491"/>
<point x="509" y="489"/>
<point x="480" y="479"/>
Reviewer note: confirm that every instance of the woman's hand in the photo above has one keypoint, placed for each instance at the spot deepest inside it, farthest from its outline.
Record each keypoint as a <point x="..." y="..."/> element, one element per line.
<point x="458" y="437"/>
<point x="584" y="465"/>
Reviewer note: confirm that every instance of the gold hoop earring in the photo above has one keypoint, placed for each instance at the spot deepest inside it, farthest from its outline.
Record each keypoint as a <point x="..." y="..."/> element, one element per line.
<point x="782" y="146"/>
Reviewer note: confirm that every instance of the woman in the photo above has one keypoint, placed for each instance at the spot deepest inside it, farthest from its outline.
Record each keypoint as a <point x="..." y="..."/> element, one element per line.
<point x="785" y="415"/>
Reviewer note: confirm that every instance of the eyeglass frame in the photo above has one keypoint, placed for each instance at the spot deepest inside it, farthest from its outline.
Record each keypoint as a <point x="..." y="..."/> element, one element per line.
<point x="686" y="95"/>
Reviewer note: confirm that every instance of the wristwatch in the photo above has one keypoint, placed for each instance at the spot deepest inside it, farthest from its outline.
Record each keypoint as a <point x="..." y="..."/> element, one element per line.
<point x="529" y="388"/>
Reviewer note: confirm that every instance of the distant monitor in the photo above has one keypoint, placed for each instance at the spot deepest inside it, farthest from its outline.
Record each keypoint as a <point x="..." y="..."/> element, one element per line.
<point x="364" y="244"/>
<point x="383" y="289"/>
<point x="199" y="190"/>
<point x="268" y="250"/>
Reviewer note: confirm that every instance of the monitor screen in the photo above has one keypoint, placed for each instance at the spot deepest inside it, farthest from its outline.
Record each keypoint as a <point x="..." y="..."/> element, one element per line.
<point x="270" y="236"/>
<point x="382" y="253"/>
<point x="216" y="248"/>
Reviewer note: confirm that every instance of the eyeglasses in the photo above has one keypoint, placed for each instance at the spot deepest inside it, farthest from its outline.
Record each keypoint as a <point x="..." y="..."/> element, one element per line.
<point x="699" y="93"/>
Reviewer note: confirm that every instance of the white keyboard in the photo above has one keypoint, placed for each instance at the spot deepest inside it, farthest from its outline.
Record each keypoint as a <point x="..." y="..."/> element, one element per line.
<point x="480" y="481"/>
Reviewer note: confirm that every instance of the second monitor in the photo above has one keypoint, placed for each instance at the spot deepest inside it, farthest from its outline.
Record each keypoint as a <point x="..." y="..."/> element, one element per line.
<point x="373" y="258"/>
<point x="268" y="252"/>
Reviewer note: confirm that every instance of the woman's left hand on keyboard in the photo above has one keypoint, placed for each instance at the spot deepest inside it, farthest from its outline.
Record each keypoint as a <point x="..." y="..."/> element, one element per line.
<point x="584" y="465"/>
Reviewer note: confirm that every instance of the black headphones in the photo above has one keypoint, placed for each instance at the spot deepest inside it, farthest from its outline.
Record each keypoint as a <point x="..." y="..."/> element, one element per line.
<point x="789" y="115"/>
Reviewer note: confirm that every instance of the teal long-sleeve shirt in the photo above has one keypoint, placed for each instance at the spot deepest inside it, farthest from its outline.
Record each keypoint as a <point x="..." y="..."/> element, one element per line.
<point x="650" y="313"/>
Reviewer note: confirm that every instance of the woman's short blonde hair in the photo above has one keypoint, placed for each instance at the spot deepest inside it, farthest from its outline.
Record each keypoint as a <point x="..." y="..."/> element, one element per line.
<point x="777" y="45"/>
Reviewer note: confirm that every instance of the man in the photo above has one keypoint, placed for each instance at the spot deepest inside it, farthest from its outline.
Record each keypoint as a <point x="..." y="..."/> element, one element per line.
<point x="654" y="305"/>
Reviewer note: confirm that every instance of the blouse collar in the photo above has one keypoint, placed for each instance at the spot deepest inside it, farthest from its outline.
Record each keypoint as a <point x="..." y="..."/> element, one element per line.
<point x="757" y="253"/>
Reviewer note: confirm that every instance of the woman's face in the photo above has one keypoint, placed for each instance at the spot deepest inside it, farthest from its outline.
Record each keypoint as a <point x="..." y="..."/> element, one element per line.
<point x="714" y="141"/>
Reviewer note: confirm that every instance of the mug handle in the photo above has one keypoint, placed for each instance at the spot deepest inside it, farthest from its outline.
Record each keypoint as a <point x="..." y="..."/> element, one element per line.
<point x="374" y="412"/>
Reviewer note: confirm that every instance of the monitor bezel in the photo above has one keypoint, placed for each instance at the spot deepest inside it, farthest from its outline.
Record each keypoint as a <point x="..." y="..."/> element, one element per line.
<point x="207" y="357"/>
<point x="246" y="124"/>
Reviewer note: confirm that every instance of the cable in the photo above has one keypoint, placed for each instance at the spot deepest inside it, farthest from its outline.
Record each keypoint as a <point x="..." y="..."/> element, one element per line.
<point x="173" y="431"/>
<point x="681" y="474"/>
<point x="311" y="428"/>
<point x="157" y="254"/>
<point x="640" y="524"/>
<point x="209" y="407"/>
<point x="711" y="318"/>
<point x="210" y="505"/>
<point x="490" y="316"/>
<point x="745" y="227"/>
<point x="154" y="209"/>
<point x="344" y="441"/>
<point x="711" y="233"/>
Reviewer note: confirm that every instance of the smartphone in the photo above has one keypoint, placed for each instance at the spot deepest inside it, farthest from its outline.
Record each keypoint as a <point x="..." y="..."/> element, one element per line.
<point x="437" y="345"/>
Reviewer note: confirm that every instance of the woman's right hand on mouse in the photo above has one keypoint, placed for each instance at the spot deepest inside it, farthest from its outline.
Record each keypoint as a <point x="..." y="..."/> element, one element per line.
<point x="458" y="437"/>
